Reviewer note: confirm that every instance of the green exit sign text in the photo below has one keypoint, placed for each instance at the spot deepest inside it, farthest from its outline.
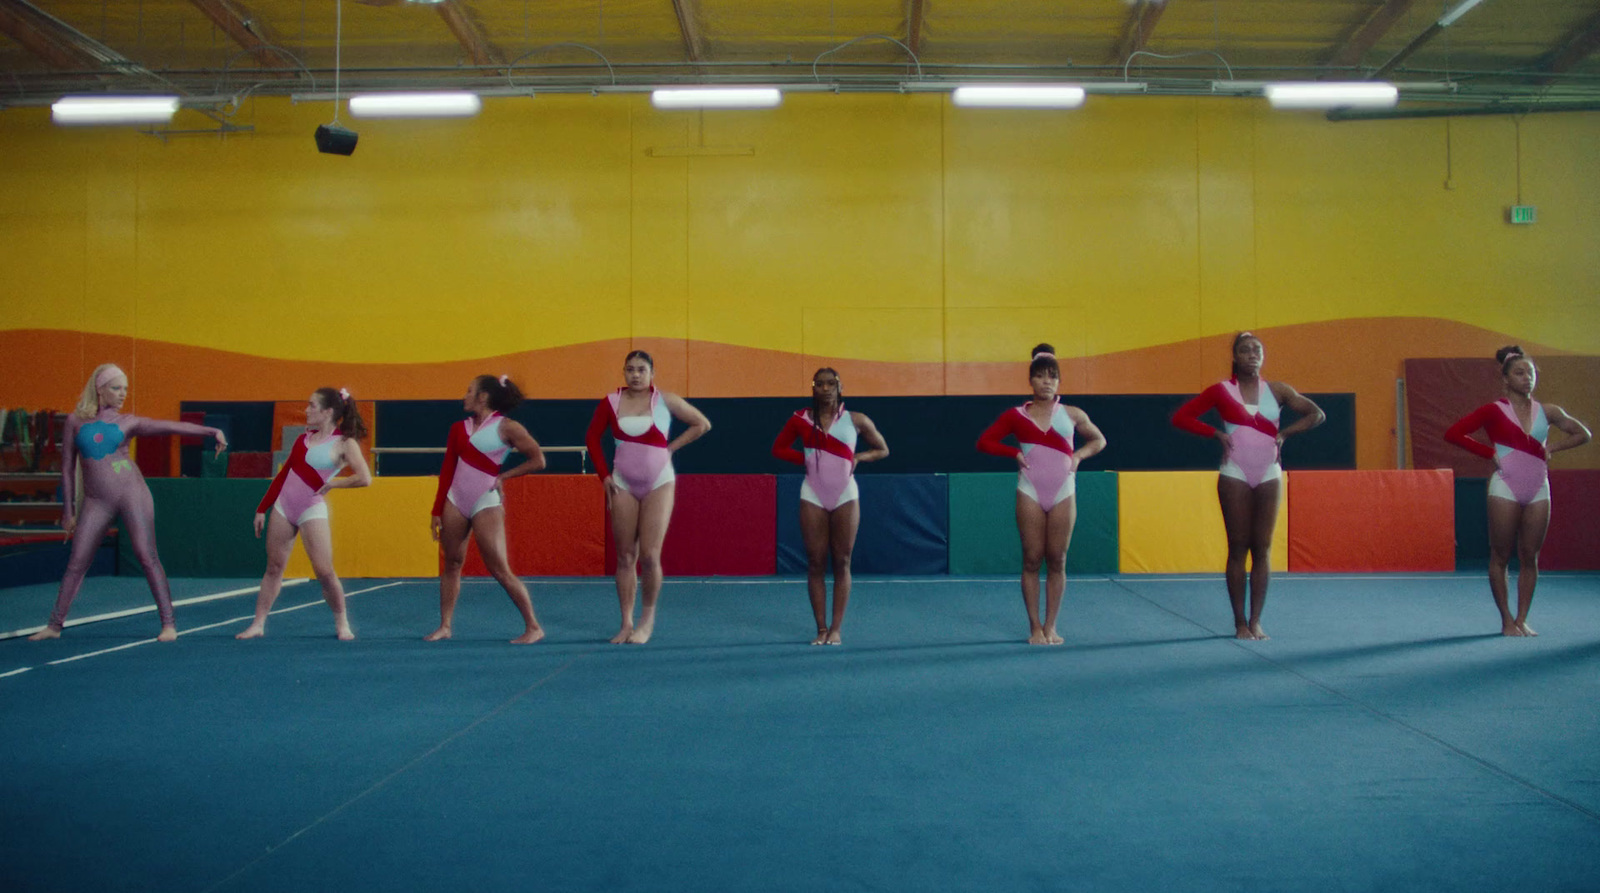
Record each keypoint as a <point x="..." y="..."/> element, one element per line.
<point x="1520" y="214"/>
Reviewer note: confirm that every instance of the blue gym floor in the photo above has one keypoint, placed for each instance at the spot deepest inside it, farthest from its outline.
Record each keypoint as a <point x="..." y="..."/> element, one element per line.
<point x="1384" y="739"/>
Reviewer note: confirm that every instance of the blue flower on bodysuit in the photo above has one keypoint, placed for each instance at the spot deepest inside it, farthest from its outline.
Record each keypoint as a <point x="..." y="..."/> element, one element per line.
<point x="98" y="439"/>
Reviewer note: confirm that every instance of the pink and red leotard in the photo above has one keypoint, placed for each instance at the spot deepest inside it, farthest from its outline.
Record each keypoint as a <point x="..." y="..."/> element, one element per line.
<point x="1522" y="466"/>
<point x="1252" y="429"/>
<point x="1051" y="476"/>
<point x="828" y="457"/>
<point x="472" y="458"/>
<point x="112" y="486"/>
<point x="643" y="461"/>
<point x="294" y="492"/>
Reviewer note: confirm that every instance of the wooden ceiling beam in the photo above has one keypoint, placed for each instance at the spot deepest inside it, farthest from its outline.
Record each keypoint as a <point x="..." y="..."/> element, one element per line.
<point x="1367" y="36"/>
<point x="1575" y="47"/>
<point x="688" y="16"/>
<point x="467" y="32"/>
<point x="916" y="11"/>
<point x="245" y="30"/>
<point x="40" y="35"/>
<point x="1137" y="30"/>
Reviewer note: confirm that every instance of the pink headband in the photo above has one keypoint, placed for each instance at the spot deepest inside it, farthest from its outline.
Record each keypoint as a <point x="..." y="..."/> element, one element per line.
<point x="1044" y="353"/>
<point x="107" y="375"/>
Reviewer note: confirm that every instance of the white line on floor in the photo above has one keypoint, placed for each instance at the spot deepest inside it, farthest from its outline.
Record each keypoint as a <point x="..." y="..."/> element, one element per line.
<point x="117" y="615"/>
<point x="123" y="647"/>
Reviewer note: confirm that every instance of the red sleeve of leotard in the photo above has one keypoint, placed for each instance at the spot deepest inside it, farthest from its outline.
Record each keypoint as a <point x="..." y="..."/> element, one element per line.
<point x="1188" y="415"/>
<point x="597" y="429"/>
<point x="1458" y="433"/>
<point x="783" y="447"/>
<point x="990" y="440"/>
<point x="447" y="472"/>
<point x="283" y="473"/>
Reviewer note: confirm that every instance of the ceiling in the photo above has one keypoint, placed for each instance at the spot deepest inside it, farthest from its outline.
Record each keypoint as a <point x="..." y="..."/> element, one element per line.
<point x="1522" y="53"/>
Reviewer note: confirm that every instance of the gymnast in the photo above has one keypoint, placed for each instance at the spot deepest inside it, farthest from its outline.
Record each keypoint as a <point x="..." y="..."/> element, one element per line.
<point x="1047" y="504"/>
<point x="1519" y="490"/>
<point x="95" y="442"/>
<point x="1249" y="482"/>
<point x="469" y="497"/>
<point x="295" y="502"/>
<point x="639" y="489"/>
<point x="830" y="506"/>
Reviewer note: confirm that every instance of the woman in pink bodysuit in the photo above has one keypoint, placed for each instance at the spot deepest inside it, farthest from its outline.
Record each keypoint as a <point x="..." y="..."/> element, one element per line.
<point x="1249" y="483"/>
<point x="1047" y="503"/>
<point x="468" y="501"/>
<point x="639" y="489"/>
<point x="830" y="505"/>
<point x="296" y="506"/>
<point x="1519" y="491"/>
<point x="96" y="442"/>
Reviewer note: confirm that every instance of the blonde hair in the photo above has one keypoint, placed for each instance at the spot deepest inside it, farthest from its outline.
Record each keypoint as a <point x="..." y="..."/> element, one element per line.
<point x="89" y="401"/>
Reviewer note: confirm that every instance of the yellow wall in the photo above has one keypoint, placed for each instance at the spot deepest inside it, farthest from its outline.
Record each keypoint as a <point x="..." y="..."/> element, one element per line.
<point x="892" y="228"/>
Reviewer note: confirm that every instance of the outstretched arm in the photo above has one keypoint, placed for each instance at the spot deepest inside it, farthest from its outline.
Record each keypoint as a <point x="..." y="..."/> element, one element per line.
<point x="69" y="474"/>
<point x="142" y="426"/>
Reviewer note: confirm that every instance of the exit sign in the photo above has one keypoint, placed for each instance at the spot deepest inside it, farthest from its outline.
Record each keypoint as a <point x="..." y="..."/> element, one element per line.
<point x="1521" y="214"/>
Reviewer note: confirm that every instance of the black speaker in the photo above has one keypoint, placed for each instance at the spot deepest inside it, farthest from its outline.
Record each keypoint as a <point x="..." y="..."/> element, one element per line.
<point x="335" y="140"/>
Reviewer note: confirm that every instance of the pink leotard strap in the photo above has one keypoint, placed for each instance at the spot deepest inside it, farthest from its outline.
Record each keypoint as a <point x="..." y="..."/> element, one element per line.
<point x="1048" y="449"/>
<point x="642" y="459"/>
<point x="295" y="488"/>
<point x="829" y="456"/>
<point x="1253" y="435"/>
<point x="479" y="452"/>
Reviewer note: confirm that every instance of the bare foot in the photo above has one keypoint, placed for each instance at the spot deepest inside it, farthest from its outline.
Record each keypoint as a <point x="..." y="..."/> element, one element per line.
<point x="641" y="633"/>
<point x="833" y="637"/>
<point x="1036" y="636"/>
<point x="443" y="632"/>
<point x="622" y="637"/>
<point x="1510" y="628"/>
<point x="1242" y="631"/>
<point x="534" y="634"/>
<point x="253" y="631"/>
<point x="822" y="636"/>
<point x="1051" y="638"/>
<point x="1526" y="629"/>
<point x="167" y="634"/>
<point x="48" y="632"/>
<point x="1256" y="633"/>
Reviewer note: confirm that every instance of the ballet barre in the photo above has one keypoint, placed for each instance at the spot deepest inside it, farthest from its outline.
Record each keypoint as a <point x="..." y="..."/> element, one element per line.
<point x="379" y="452"/>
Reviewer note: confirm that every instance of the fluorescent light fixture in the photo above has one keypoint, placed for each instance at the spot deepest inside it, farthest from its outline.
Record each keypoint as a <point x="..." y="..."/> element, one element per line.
<point x="1020" y="96"/>
<point x="114" y="109"/>
<point x="1450" y="17"/>
<point x="1332" y="94"/>
<point x="415" y="105"/>
<point x="716" y="98"/>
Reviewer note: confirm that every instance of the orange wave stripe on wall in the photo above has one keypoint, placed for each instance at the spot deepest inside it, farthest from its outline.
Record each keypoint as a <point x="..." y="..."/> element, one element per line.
<point x="47" y="368"/>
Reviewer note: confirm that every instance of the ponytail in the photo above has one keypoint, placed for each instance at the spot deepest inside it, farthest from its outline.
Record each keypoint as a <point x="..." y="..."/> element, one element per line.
<point x="346" y="417"/>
